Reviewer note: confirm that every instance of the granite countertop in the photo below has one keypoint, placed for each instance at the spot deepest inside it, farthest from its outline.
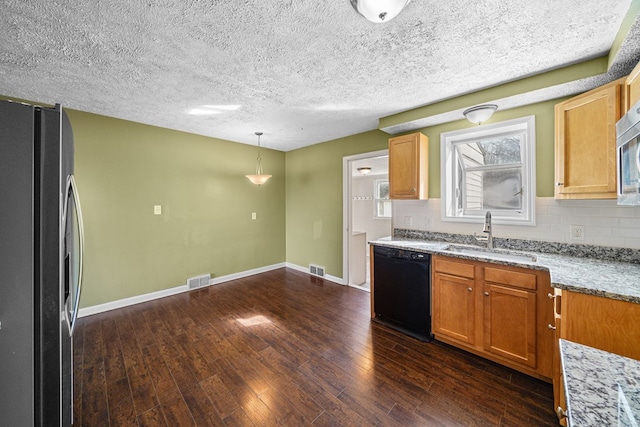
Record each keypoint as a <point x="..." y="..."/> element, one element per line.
<point x="580" y="268"/>
<point x="602" y="388"/>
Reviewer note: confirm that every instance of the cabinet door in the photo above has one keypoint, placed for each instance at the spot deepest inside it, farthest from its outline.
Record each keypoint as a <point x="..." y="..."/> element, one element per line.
<point x="453" y="303"/>
<point x="408" y="166"/>
<point x="586" y="144"/>
<point x="611" y="325"/>
<point x="510" y="323"/>
<point x="632" y="85"/>
<point x="559" y="400"/>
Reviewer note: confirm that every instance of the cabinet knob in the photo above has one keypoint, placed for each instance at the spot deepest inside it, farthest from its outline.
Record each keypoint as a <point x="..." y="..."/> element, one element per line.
<point x="470" y="289"/>
<point x="550" y="326"/>
<point x="486" y="294"/>
<point x="413" y="190"/>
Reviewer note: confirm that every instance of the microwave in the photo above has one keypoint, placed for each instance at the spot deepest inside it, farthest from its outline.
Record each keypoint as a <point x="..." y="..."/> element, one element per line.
<point x="628" y="157"/>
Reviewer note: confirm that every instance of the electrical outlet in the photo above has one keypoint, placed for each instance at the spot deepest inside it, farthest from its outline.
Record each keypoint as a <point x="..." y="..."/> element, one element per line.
<point x="254" y="215"/>
<point x="408" y="221"/>
<point x="157" y="209"/>
<point x="428" y="222"/>
<point x="577" y="232"/>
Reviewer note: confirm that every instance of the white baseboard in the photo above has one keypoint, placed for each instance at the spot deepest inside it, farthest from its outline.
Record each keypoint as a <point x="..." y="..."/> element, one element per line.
<point x="101" y="308"/>
<point x="247" y="273"/>
<point x="328" y="277"/>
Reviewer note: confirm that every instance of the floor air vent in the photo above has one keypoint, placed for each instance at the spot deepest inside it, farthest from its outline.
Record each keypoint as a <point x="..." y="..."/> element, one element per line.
<point x="316" y="270"/>
<point x="198" y="281"/>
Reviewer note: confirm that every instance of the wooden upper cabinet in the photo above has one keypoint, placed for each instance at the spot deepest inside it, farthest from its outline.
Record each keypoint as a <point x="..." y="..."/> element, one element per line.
<point x="409" y="167"/>
<point x="586" y="143"/>
<point x="632" y="88"/>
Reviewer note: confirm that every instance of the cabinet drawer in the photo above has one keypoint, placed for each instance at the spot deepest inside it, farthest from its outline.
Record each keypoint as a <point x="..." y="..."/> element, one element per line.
<point x="512" y="278"/>
<point x="454" y="268"/>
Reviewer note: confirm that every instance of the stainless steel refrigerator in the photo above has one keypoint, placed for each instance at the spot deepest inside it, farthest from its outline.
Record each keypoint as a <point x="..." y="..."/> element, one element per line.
<point x="41" y="243"/>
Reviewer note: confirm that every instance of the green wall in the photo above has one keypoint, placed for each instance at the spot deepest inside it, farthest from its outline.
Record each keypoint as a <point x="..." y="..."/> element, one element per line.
<point x="314" y="199"/>
<point x="124" y="168"/>
<point x="544" y="113"/>
<point x="314" y="182"/>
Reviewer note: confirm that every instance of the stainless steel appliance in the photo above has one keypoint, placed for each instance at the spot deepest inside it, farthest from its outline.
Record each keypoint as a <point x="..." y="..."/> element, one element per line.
<point x="40" y="265"/>
<point x="628" y="157"/>
<point x="402" y="290"/>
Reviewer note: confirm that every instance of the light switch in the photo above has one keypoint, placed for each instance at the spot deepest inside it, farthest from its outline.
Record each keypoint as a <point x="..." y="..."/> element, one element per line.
<point x="253" y="215"/>
<point x="157" y="209"/>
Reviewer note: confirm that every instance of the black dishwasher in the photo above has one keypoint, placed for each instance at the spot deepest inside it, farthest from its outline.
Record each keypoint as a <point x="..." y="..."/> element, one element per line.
<point x="402" y="291"/>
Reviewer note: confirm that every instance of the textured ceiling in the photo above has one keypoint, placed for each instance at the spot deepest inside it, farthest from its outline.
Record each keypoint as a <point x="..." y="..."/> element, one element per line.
<point x="302" y="72"/>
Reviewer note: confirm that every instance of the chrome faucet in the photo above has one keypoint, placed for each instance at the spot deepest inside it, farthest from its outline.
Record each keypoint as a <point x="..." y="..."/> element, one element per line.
<point x="486" y="229"/>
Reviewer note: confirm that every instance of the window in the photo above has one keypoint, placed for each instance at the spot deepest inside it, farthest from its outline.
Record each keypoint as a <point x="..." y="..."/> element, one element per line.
<point x="490" y="168"/>
<point x="381" y="202"/>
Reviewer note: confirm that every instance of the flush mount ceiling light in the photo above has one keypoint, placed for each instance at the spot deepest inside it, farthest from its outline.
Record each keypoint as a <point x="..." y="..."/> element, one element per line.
<point x="364" y="170"/>
<point x="379" y="10"/>
<point x="480" y="113"/>
<point x="259" y="178"/>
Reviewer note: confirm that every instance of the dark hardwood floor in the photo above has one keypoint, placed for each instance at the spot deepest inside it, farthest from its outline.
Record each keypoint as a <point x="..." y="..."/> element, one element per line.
<point x="284" y="348"/>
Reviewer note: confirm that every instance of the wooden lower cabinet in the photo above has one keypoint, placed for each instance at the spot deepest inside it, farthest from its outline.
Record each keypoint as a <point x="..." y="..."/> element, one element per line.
<point x="500" y="312"/>
<point x="603" y="323"/>
<point x="458" y="320"/>
<point x="510" y="323"/>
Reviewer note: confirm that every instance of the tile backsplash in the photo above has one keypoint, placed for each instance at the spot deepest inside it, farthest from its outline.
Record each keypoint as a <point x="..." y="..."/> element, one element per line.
<point x="605" y="223"/>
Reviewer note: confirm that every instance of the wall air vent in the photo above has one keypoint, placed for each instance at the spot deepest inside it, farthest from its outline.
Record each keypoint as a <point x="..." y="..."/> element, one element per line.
<point x="316" y="270"/>
<point x="198" y="281"/>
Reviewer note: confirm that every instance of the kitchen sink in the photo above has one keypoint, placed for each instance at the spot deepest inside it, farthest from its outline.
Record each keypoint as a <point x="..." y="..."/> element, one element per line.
<point x="500" y="254"/>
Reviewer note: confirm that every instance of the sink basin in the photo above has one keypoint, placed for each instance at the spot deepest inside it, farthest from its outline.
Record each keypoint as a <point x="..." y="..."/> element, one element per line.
<point x="500" y="254"/>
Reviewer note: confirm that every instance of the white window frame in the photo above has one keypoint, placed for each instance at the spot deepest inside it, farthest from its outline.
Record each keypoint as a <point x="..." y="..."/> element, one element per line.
<point x="377" y="200"/>
<point x="448" y="162"/>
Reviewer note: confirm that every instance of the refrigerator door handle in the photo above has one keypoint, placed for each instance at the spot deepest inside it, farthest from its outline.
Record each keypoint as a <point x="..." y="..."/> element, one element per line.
<point x="71" y="304"/>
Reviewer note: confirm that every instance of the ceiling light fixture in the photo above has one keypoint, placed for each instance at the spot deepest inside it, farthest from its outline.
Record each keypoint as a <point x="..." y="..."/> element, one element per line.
<point x="259" y="178"/>
<point x="379" y="10"/>
<point x="480" y="113"/>
<point x="210" y="110"/>
<point x="364" y="170"/>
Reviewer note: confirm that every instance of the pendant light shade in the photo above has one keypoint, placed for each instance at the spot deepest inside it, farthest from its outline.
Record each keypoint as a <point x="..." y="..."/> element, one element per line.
<point x="379" y="10"/>
<point x="480" y="113"/>
<point x="364" y="170"/>
<point x="259" y="178"/>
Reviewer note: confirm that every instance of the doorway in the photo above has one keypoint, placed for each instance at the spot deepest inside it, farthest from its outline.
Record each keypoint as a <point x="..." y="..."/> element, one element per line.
<point x="366" y="212"/>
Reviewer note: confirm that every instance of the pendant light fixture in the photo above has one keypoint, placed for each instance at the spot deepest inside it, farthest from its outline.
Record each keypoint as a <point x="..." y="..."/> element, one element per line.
<point x="379" y="10"/>
<point x="480" y="113"/>
<point x="259" y="178"/>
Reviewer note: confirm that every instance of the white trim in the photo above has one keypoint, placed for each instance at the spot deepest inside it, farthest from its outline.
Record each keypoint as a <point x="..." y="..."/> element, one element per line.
<point x="448" y="140"/>
<point x="100" y="308"/>
<point x="328" y="277"/>
<point x="247" y="273"/>
<point x="346" y="206"/>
